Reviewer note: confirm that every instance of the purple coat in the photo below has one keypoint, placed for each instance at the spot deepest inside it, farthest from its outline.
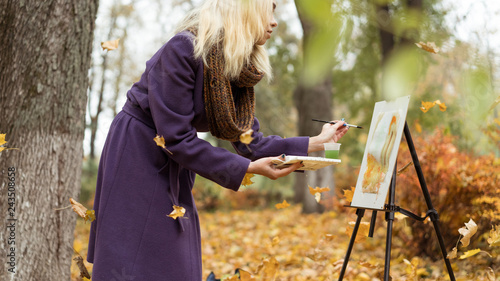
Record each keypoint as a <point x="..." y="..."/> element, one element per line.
<point x="138" y="182"/>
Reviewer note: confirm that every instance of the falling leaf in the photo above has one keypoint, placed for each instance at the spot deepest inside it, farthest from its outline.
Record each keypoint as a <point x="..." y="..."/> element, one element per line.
<point x="247" y="180"/>
<point x="470" y="253"/>
<point x="78" y="208"/>
<point x="84" y="273"/>
<point x="317" y="196"/>
<point x="246" y="137"/>
<point x="452" y="254"/>
<point x="494" y="239"/>
<point x="426" y="105"/>
<point x="160" y="141"/>
<point x="2" y="139"/>
<point x="110" y="45"/>
<point x="418" y="127"/>
<point x="428" y="47"/>
<point x="89" y="215"/>
<point x="442" y="106"/>
<point x="467" y="232"/>
<point x="178" y="212"/>
<point x="2" y="142"/>
<point x="313" y="191"/>
<point x="349" y="193"/>
<point x="282" y="205"/>
<point x="363" y="230"/>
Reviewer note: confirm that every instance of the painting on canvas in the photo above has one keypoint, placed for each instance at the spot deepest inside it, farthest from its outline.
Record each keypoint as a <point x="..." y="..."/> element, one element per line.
<point x="380" y="154"/>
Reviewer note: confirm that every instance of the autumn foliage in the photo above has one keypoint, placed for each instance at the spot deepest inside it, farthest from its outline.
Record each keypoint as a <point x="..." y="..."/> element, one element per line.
<point x="462" y="186"/>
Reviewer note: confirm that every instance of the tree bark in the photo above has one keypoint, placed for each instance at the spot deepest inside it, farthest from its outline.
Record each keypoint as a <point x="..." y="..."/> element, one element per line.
<point x="311" y="101"/>
<point x="44" y="63"/>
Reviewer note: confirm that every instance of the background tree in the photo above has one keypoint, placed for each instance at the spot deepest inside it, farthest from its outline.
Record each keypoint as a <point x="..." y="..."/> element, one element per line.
<point x="44" y="62"/>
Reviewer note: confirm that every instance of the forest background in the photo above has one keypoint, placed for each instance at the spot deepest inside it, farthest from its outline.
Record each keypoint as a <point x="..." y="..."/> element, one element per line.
<point x="332" y="60"/>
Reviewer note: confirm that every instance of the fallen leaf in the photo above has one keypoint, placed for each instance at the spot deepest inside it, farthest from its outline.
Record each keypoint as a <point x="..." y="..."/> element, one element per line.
<point x="276" y="241"/>
<point x="452" y="254"/>
<point x="470" y="253"/>
<point x="428" y="47"/>
<point x="268" y="269"/>
<point x="110" y="45"/>
<point x="247" y="180"/>
<point x="494" y="239"/>
<point x="245" y="275"/>
<point x="349" y="193"/>
<point x="246" y="137"/>
<point x="178" y="212"/>
<point x="467" y="232"/>
<point x="282" y="205"/>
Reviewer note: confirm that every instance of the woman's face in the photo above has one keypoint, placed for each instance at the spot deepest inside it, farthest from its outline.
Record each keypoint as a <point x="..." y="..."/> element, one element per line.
<point x="269" y="28"/>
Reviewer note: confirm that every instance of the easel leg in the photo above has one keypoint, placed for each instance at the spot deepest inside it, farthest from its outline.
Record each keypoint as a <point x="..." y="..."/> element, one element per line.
<point x="434" y="216"/>
<point x="372" y="224"/>
<point x="389" y="217"/>
<point x="360" y="213"/>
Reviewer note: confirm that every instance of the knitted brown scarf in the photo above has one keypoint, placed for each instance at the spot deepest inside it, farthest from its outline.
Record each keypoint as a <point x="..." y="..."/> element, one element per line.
<point x="229" y="113"/>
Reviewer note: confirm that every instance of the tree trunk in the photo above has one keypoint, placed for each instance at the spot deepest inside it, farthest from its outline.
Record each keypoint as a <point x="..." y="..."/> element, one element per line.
<point x="312" y="101"/>
<point x="44" y="63"/>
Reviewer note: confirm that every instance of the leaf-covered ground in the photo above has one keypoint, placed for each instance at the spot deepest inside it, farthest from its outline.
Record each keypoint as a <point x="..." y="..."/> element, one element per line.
<point x="309" y="247"/>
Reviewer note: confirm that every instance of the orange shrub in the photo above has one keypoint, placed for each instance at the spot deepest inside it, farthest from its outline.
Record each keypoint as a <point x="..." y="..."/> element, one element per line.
<point x="461" y="186"/>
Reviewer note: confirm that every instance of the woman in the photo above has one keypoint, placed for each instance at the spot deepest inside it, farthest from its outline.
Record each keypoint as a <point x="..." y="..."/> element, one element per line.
<point x="201" y="80"/>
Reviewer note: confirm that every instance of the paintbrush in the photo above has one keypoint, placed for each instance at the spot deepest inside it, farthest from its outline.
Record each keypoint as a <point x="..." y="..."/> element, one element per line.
<point x="331" y="122"/>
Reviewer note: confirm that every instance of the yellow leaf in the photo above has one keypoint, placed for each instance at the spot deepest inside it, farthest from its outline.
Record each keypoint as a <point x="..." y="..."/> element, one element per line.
<point x="247" y="179"/>
<point x="426" y="105"/>
<point x="282" y="205"/>
<point x="442" y="106"/>
<point x="245" y="275"/>
<point x="269" y="268"/>
<point x="110" y="45"/>
<point x="317" y="196"/>
<point x="178" y="212"/>
<point x="160" y="141"/>
<point x="363" y="230"/>
<point x="452" y="254"/>
<point x="428" y="47"/>
<point x="418" y="127"/>
<point x="78" y="208"/>
<point x="313" y="191"/>
<point x="246" y="137"/>
<point x="89" y="215"/>
<point x="467" y="232"/>
<point x="2" y="139"/>
<point x="349" y="193"/>
<point x="276" y="241"/>
<point x="469" y="254"/>
<point x="494" y="239"/>
<point x="233" y="278"/>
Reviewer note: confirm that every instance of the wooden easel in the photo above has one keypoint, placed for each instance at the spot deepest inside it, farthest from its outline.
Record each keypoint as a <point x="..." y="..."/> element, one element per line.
<point x="390" y="209"/>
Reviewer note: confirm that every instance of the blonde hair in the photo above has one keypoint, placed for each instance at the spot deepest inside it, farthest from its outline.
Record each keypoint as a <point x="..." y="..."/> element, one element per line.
<point x="238" y="25"/>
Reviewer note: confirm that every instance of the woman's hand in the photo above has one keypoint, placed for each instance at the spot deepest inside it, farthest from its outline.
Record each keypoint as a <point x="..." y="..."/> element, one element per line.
<point x="330" y="133"/>
<point x="265" y="167"/>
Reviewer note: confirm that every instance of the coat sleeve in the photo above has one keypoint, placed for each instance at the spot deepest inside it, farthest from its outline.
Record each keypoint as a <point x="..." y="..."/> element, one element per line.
<point x="271" y="145"/>
<point x="171" y="82"/>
